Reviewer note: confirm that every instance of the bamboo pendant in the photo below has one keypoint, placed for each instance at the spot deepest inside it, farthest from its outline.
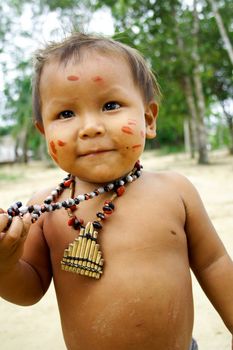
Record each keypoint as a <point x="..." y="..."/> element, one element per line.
<point x="83" y="255"/>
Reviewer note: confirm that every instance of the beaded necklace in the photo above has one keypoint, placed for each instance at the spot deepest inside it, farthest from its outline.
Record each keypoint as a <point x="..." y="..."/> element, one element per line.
<point x="83" y="256"/>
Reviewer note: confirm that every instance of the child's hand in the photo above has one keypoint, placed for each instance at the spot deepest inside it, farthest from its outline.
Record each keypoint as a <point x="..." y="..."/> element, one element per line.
<point x="12" y="240"/>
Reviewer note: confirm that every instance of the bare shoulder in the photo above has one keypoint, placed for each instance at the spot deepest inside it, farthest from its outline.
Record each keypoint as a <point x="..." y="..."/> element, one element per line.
<point x="39" y="197"/>
<point x="169" y="178"/>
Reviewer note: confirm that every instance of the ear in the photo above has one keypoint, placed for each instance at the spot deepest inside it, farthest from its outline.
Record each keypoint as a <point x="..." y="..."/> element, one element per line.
<point x="39" y="127"/>
<point x="151" y="114"/>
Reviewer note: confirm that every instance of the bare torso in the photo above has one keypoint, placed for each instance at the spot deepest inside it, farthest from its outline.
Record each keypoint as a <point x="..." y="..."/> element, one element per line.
<point x="144" y="298"/>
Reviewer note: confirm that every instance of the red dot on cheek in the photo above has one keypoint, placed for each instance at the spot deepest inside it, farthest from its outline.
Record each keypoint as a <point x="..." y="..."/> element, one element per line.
<point x="72" y="78"/>
<point x="132" y="122"/>
<point x="61" y="143"/>
<point x="127" y="130"/>
<point x="136" y="146"/>
<point x="97" y="79"/>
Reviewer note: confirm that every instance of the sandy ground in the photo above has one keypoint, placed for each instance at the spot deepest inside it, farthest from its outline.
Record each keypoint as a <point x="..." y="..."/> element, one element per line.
<point x="38" y="327"/>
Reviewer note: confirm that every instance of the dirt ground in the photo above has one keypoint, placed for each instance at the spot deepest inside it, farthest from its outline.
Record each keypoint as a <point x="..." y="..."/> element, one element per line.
<point x="38" y="327"/>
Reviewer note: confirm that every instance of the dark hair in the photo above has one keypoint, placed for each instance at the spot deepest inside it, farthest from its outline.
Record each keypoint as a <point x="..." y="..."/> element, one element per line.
<point x="74" y="45"/>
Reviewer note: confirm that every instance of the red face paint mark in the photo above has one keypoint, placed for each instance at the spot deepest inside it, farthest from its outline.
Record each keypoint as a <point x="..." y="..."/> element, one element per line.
<point x="53" y="147"/>
<point x="127" y="130"/>
<point x="136" y="146"/>
<point x="143" y="134"/>
<point x="61" y="143"/>
<point x="132" y="122"/>
<point x="97" y="79"/>
<point x="73" y="78"/>
<point x="54" y="157"/>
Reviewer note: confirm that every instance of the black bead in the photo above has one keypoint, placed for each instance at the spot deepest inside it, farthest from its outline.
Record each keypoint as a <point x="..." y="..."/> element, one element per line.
<point x="97" y="225"/>
<point x="111" y="205"/>
<point x="64" y="204"/>
<point x="19" y="204"/>
<point x="100" y="215"/>
<point x="107" y="209"/>
<point x="47" y="201"/>
<point x="30" y="209"/>
<point x="10" y="212"/>
<point x="76" y="201"/>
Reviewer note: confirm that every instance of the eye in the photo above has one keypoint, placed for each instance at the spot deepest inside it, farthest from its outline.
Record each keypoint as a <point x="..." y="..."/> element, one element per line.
<point x="66" y="114"/>
<point x="109" y="106"/>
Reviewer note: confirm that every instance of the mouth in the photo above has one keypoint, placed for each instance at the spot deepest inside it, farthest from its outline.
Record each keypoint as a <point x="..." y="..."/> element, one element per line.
<point x="95" y="152"/>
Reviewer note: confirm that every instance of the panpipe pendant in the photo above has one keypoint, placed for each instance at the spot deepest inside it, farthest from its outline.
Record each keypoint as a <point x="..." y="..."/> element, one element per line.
<point x="83" y="255"/>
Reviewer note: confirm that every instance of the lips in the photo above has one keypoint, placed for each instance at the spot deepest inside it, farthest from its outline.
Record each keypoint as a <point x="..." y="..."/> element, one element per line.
<point x="95" y="152"/>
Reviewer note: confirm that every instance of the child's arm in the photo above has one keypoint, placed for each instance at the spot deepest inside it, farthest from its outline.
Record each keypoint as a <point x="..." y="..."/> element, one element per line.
<point x="22" y="282"/>
<point x="208" y="258"/>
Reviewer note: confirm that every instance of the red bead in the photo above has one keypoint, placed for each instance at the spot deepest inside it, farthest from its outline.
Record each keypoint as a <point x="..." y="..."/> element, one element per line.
<point x="67" y="183"/>
<point x="71" y="221"/>
<point x="120" y="191"/>
<point x="73" y="208"/>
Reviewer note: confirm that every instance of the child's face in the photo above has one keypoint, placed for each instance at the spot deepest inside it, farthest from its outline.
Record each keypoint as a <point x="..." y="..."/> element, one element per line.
<point x="94" y="118"/>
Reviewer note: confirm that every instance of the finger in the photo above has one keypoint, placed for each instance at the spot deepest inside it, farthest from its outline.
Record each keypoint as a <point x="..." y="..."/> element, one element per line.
<point x="15" y="229"/>
<point x="26" y="225"/>
<point x="4" y="224"/>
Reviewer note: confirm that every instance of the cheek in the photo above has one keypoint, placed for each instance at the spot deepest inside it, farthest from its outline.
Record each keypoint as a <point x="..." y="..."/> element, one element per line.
<point x="127" y="130"/>
<point x="52" y="147"/>
<point x="55" y="147"/>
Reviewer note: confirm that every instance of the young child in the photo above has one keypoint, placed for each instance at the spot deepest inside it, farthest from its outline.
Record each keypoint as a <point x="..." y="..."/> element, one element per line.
<point x="120" y="262"/>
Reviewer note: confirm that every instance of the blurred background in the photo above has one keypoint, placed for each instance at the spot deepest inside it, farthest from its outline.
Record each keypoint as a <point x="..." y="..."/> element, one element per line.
<point x="188" y="44"/>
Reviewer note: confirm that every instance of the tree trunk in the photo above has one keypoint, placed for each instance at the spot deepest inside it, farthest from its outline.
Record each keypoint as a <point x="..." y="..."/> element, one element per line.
<point x="222" y="30"/>
<point x="186" y="86"/>
<point x="201" y="129"/>
<point x="229" y="119"/>
<point x="192" y="122"/>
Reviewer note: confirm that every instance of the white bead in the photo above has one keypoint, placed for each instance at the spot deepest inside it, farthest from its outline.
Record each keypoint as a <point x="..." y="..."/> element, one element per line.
<point x="81" y="197"/>
<point x="37" y="207"/>
<point x="70" y="201"/>
<point x="129" y="178"/>
<point x="101" y="190"/>
<point x="23" y="209"/>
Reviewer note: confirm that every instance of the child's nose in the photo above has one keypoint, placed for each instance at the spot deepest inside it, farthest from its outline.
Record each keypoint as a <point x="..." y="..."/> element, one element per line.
<point x="92" y="128"/>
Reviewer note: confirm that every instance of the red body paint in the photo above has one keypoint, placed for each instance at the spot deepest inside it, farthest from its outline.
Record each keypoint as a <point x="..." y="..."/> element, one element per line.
<point x="61" y="143"/>
<point x="73" y="78"/>
<point x="136" y="146"/>
<point x="132" y="122"/>
<point x="127" y="130"/>
<point x="54" y="157"/>
<point x="53" y="147"/>
<point x="97" y="79"/>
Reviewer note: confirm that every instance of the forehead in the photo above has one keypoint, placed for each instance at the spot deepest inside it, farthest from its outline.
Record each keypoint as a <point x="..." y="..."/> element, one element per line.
<point x="90" y="63"/>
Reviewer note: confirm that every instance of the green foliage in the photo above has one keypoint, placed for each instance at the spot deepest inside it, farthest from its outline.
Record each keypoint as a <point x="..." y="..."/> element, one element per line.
<point x="151" y="26"/>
